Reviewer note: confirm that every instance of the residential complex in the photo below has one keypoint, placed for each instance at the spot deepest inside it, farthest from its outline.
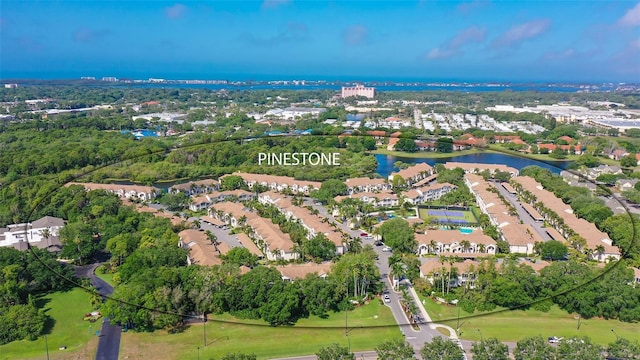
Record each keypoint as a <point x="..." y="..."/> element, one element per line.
<point x="43" y="233"/>
<point x="358" y="90"/>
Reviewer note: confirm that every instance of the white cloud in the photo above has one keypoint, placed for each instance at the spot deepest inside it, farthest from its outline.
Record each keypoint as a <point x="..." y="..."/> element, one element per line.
<point x="468" y="7"/>
<point x="631" y="17"/>
<point x="355" y="35"/>
<point x="522" y="32"/>
<point x="176" y="11"/>
<point x="271" y="4"/>
<point x="454" y="45"/>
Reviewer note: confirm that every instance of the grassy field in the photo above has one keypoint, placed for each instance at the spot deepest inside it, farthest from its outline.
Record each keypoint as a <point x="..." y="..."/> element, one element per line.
<point x="107" y="277"/>
<point x="68" y="329"/>
<point x="513" y="325"/>
<point x="227" y="334"/>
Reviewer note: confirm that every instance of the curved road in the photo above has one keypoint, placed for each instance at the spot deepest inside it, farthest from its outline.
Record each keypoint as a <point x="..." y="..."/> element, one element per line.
<point x="109" y="342"/>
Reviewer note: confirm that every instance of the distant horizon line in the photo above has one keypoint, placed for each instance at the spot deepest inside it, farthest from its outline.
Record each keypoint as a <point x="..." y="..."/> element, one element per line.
<point x="312" y="78"/>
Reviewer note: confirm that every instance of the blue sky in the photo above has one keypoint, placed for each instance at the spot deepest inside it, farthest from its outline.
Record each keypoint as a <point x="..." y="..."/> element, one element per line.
<point x="469" y="40"/>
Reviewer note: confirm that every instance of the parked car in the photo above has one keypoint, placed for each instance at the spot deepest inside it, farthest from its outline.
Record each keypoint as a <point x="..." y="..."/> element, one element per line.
<point x="386" y="248"/>
<point x="387" y="298"/>
<point x="554" y="339"/>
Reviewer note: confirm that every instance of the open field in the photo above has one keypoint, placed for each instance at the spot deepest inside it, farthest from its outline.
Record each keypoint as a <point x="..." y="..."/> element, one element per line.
<point x="68" y="329"/>
<point x="227" y="334"/>
<point x="513" y="325"/>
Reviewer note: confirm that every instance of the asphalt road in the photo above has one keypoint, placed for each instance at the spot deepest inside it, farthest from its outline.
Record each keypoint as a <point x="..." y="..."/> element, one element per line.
<point x="522" y="213"/>
<point x="417" y="338"/>
<point x="109" y="341"/>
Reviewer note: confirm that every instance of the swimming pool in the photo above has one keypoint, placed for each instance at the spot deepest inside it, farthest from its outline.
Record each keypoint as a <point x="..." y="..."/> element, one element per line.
<point x="466" y="231"/>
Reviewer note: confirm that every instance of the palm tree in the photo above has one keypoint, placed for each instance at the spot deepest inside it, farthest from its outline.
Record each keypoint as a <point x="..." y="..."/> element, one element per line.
<point x="482" y="248"/>
<point x="196" y="224"/>
<point x="211" y="237"/>
<point x="465" y="245"/>
<point x="600" y="251"/>
<point x="46" y="234"/>
<point x="432" y="246"/>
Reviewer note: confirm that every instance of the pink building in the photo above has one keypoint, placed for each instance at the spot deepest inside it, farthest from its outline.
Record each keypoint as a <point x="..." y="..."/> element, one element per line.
<point x="358" y="90"/>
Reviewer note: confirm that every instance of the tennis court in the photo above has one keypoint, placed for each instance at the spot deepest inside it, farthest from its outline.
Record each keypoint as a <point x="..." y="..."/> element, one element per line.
<point x="448" y="217"/>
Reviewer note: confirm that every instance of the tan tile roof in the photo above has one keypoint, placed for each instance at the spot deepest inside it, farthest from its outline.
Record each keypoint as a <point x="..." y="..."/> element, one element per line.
<point x="434" y="265"/>
<point x="199" y="183"/>
<point x="536" y="266"/>
<point x="249" y="244"/>
<point x="236" y="210"/>
<point x="454" y="236"/>
<point x="587" y="230"/>
<point x="268" y="179"/>
<point x="272" y="234"/>
<point x="201" y="251"/>
<point x="212" y="220"/>
<point x="364" y="181"/>
<point x="295" y="271"/>
<point x="414" y="170"/>
<point x="116" y="187"/>
<point x="480" y="166"/>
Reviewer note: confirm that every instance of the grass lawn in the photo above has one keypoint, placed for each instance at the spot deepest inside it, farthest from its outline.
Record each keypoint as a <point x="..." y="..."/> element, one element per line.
<point x="227" y="334"/>
<point x="68" y="329"/>
<point x="513" y="325"/>
<point x="425" y="154"/>
<point x="107" y="277"/>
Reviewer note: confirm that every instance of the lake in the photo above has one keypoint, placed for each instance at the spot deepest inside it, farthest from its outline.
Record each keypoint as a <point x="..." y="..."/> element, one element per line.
<point x="385" y="162"/>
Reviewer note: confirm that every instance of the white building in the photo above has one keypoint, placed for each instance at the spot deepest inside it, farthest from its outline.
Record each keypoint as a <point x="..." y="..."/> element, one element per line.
<point x="42" y="233"/>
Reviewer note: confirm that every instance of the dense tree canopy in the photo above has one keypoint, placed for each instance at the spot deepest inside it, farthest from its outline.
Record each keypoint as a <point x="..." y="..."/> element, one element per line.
<point x="399" y="235"/>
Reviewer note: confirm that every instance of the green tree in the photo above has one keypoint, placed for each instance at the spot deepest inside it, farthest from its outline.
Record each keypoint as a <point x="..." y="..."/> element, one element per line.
<point x="232" y="182"/>
<point x="319" y="248"/>
<point x="490" y="349"/>
<point x="335" y="352"/>
<point x="240" y="256"/>
<point x="395" y="349"/>
<point x="629" y="161"/>
<point x="623" y="349"/>
<point x="330" y="189"/>
<point x="533" y="348"/>
<point x="398" y="234"/>
<point x="441" y="349"/>
<point x="580" y="348"/>
<point x="406" y="145"/>
<point x="444" y="145"/>
<point x="553" y="250"/>
<point x="175" y="202"/>
<point x="239" y="356"/>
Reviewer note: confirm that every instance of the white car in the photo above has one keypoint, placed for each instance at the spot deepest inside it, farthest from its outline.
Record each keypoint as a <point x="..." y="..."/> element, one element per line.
<point x="386" y="298"/>
<point x="386" y="248"/>
<point x="554" y="340"/>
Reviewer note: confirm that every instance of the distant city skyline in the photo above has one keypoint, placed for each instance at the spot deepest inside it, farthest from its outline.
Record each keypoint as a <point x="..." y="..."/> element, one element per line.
<point x="578" y="41"/>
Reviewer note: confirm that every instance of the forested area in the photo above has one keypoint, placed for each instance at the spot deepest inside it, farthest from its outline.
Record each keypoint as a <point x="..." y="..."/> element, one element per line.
<point x="575" y="287"/>
<point x="24" y="276"/>
<point x="159" y="294"/>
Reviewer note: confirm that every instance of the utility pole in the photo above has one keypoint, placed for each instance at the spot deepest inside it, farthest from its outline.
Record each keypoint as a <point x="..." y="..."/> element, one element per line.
<point x="46" y="343"/>
<point x="617" y="337"/>
<point x="204" y="328"/>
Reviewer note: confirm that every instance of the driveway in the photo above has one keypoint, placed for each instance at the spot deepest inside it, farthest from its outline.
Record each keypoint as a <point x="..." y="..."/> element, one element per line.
<point x="109" y="341"/>
<point x="522" y="213"/>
